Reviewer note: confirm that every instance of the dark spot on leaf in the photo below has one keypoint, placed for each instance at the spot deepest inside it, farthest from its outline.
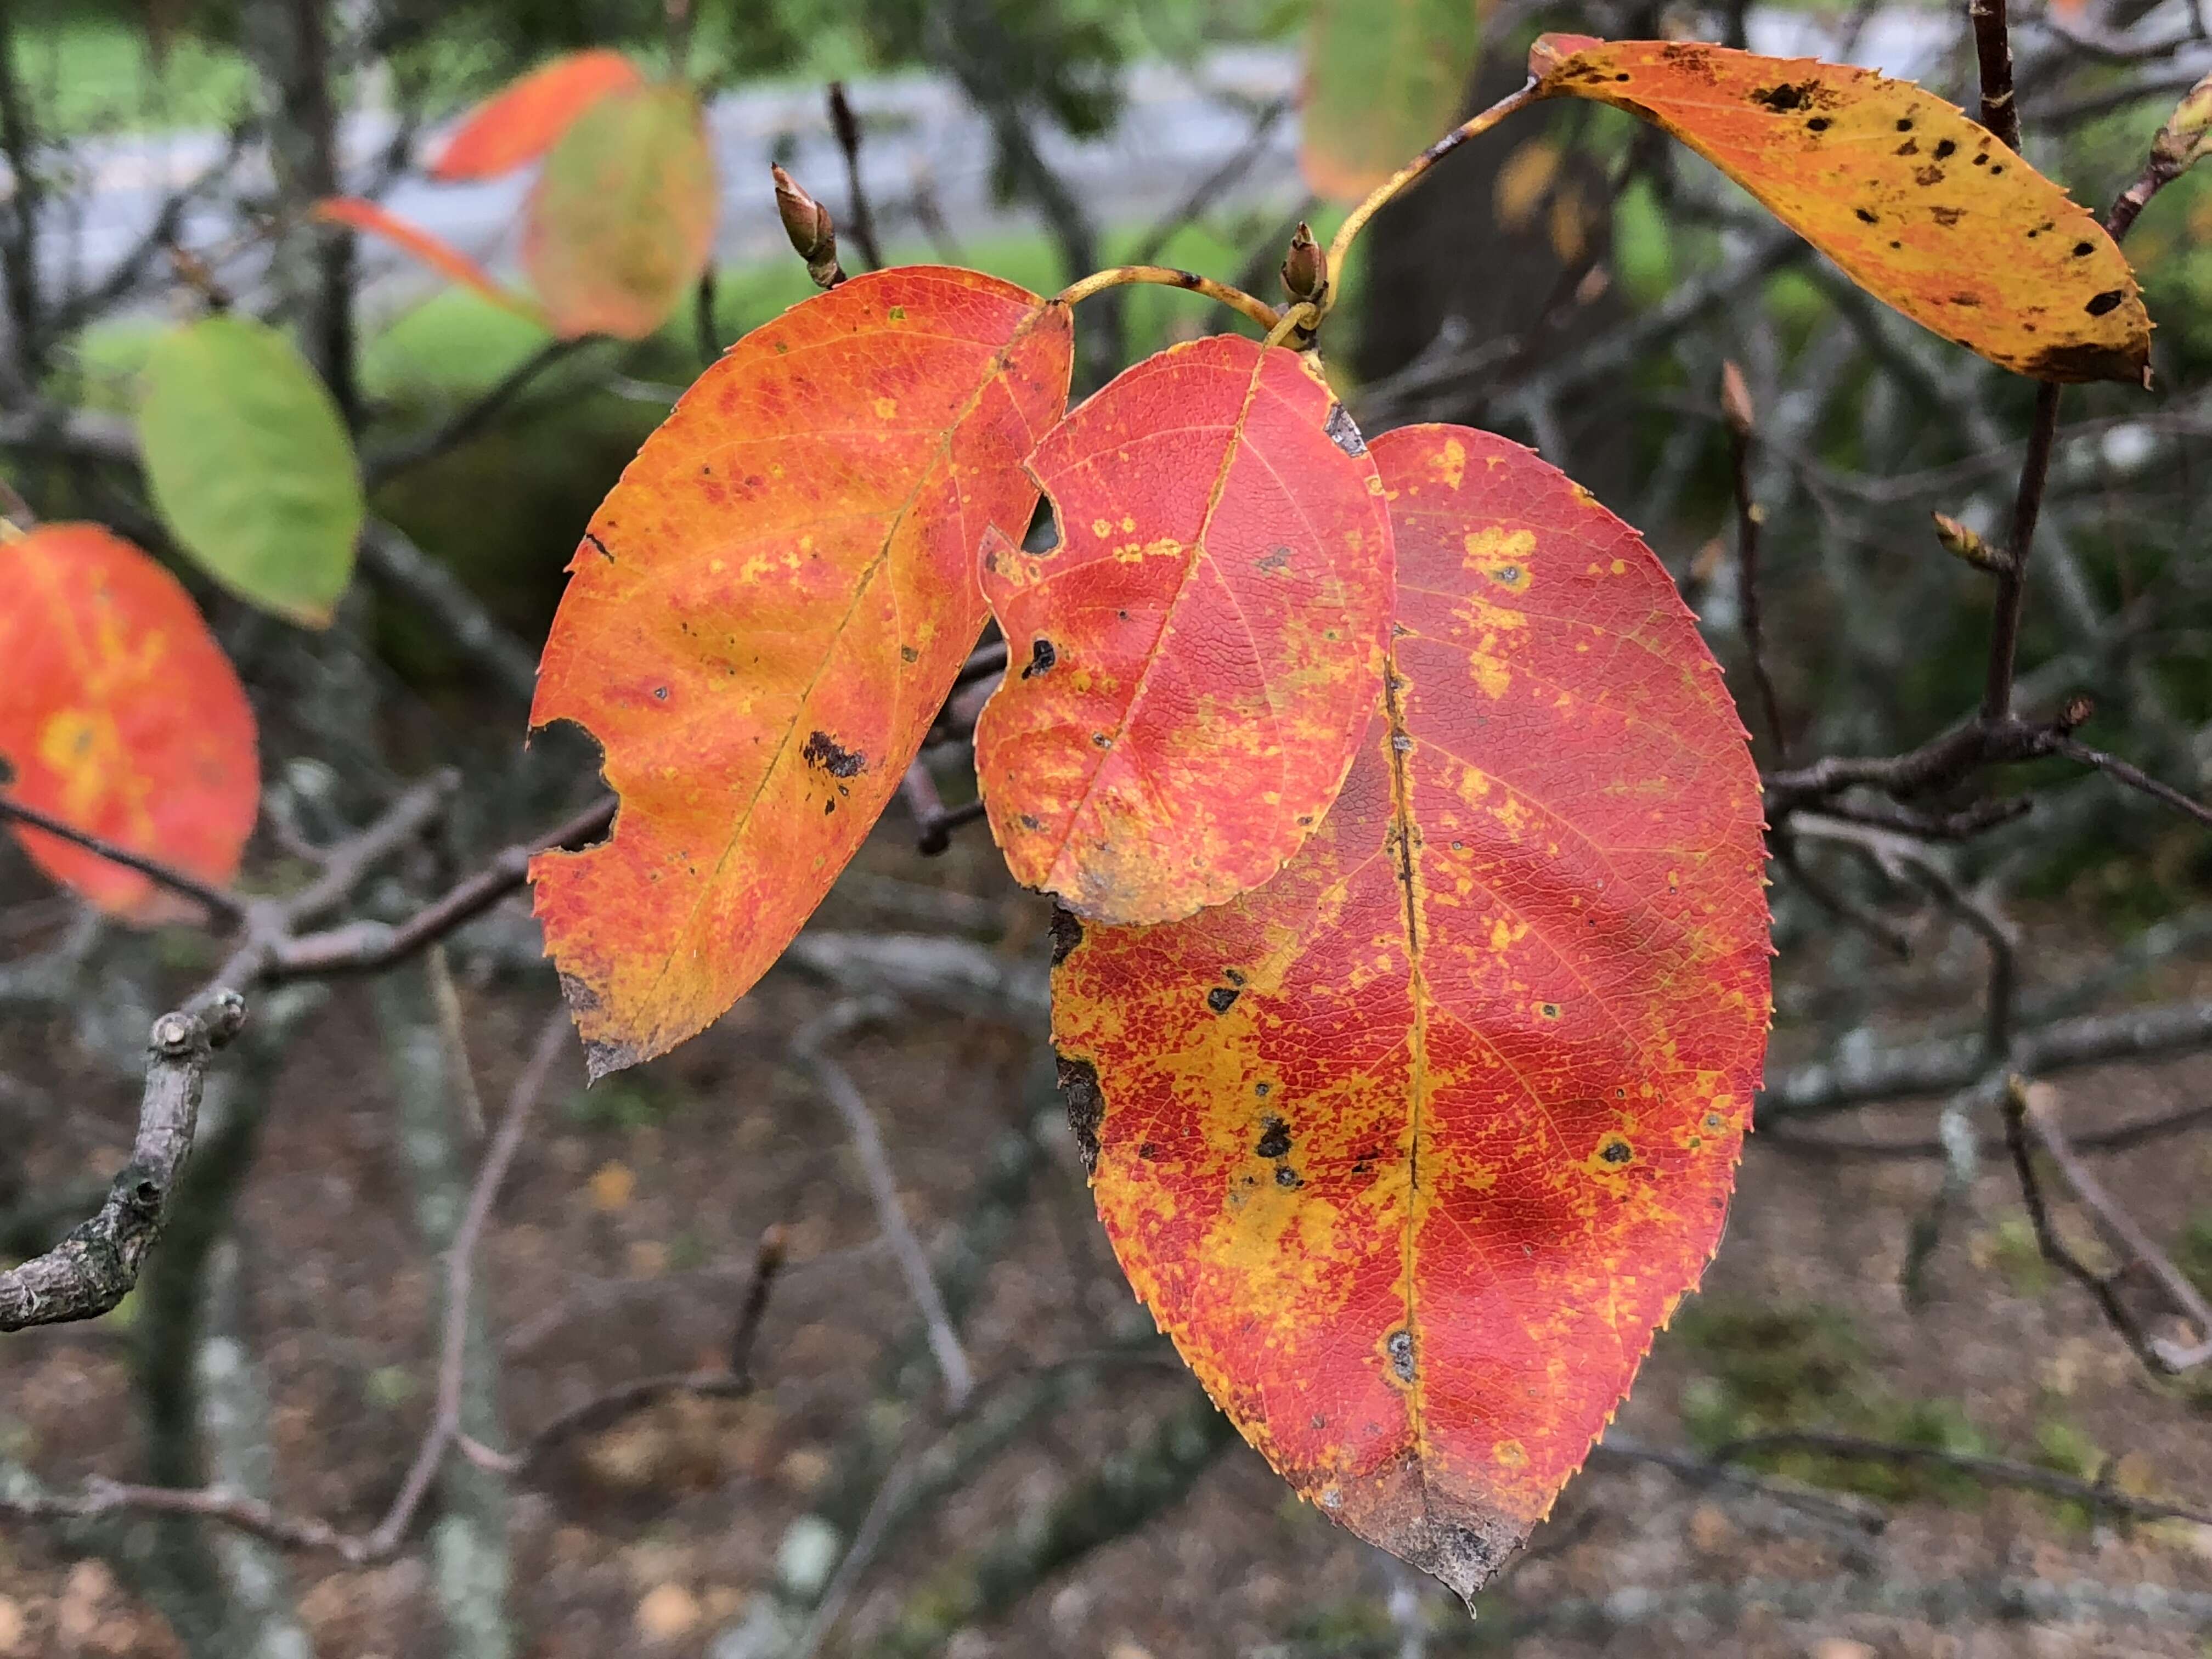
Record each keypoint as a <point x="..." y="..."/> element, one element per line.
<point x="1995" y="170"/>
<point x="1286" y="1176"/>
<point x="1927" y="176"/>
<point x="1263" y="1089"/>
<point x="1221" y="999"/>
<point x="1948" y="147"/>
<point x="1100" y="740"/>
<point x="2101" y="303"/>
<point x="1549" y="1010"/>
<point x="1785" y="98"/>
<point x="825" y="751"/>
<point x="1029" y="821"/>
<point x="1343" y="431"/>
<point x="1981" y="158"/>
<point x="1400" y="1346"/>
<point x="1904" y="125"/>
<point x="1965" y="299"/>
<point x="1947" y="216"/>
<point x="908" y="653"/>
<point x="1866" y="218"/>
<point x="1148" y="1150"/>
<point x="1235" y="976"/>
<point x="1274" y="559"/>
<point x="599" y="547"/>
<point x="2083" y="249"/>
<point x="828" y="807"/>
<point x="1616" y="1149"/>
<point x="1275" y="1137"/>
<point x="1909" y="147"/>
<point x="660" y="693"/>
<point x="1086" y="1107"/>
<point x="1042" y="655"/>
<point x="1818" y="124"/>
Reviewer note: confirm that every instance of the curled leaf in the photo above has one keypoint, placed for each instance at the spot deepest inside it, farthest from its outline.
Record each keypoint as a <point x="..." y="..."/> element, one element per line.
<point x="251" y="465"/>
<point x="1412" y="1149"/>
<point x="763" y="619"/>
<point x="621" y="219"/>
<point x="120" y="714"/>
<point x="520" y="123"/>
<point x="440" y="256"/>
<point x="1925" y="209"/>
<point x="1196" y="660"/>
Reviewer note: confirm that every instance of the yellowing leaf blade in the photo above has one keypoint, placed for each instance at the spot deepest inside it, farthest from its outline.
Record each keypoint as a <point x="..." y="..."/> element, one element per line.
<point x="1923" y="208"/>
<point x="441" y="257"/>
<point x="765" y="616"/>
<point x="1412" y="1149"/>
<point x="621" y="219"/>
<point x="120" y="715"/>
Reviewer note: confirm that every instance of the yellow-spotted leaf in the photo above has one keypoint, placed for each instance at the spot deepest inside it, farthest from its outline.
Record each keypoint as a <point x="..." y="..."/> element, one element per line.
<point x="1922" y="207"/>
<point x="1412" y="1149"/>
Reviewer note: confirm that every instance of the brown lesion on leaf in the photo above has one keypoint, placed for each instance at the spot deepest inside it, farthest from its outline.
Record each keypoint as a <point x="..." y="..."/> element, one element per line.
<point x="1275" y="1137"/>
<point x="1399" y="1346"/>
<point x="1616" y="1151"/>
<point x="1947" y="216"/>
<point x="825" y="751"/>
<point x="1222" y="998"/>
<point x="1086" y="1107"/>
<point x="2110" y="300"/>
<point x="1927" y="176"/>
<point x="592" y="540"/>
<point x="1786" y="98"/>
<point x="1343" y="431"/>
<point x="1042" y="655"/>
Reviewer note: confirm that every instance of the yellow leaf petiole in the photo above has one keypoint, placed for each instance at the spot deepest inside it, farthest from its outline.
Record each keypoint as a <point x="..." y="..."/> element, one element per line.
<point x="1389" y="190"/>
<point x="1170" y="276"/>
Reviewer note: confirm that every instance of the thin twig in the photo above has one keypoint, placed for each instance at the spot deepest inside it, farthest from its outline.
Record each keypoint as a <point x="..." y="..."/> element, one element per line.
<point x="1736" y="404"/>
<point x="224" y="906"/>
<point x="862" y="223"/>
<point x="808" y="1047"/>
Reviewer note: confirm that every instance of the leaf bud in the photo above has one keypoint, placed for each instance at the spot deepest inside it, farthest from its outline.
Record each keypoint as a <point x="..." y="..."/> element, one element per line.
<point x="1964" y="543"/>
<point x="807" y="223"/>
<point x="2182" y="142"/>
<point x="1305" y="268"/>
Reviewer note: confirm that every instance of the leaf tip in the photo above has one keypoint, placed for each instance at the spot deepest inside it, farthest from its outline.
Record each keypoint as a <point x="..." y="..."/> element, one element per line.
<point x="1548" y="51"/>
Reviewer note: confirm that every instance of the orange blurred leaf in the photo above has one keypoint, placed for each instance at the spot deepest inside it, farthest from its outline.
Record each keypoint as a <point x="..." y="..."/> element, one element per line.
<point x="441" y="257"/>
<point x="1411" y="1150"/>
<point x="765" y="616"/>
<point x="1195" y="661"/>
<point x="522" y="122"/>
<point x="1383" y="79"/>
<point x="621" y="219"/>
<point x="120" y="714"/>
<point x="1921" y="207"/>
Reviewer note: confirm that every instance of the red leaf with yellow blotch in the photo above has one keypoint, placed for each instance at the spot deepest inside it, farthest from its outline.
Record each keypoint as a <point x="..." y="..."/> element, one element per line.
<point x="120" y="715"/>
<point x="1196" y="660"/>
<point x="1411" y="1150"/>
<point x="1923" y="208"/>
<point x="763" y="619"/>
<point x="520" y="123"/>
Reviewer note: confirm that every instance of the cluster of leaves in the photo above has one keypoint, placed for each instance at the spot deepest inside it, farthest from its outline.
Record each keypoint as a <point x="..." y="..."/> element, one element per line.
<point x="1411" y="976"/>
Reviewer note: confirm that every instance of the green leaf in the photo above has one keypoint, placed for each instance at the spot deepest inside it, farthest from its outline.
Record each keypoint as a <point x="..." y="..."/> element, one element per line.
<point x="1384" y="78"/>
<point x="251" y="469"/>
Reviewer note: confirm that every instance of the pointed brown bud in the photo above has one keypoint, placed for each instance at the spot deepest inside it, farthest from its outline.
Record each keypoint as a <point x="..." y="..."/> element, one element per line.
<point x="807" y="223"/>
<point x="1735" y="400"/>
<point x="1305" y="268"/>
<point x="2076" y="712"/>
<point x="1963" y="543"/>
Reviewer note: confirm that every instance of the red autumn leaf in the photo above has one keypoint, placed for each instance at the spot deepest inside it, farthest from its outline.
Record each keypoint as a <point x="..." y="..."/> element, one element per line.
<point x="120" y="715"/>
<point x="1921" y="207"/>
<point x="1195" y="661"/>
<point x="1411" y="1150"/>
<point x="522" y="122"/>
<point x="763" y="619"/>
<point x="441" y="257"/>
<point x="621" y="221"/>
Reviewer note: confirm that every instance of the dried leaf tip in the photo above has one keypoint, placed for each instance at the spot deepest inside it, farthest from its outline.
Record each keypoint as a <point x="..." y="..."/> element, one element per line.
<point x="1964" y="543"/>
<point x="1735" y="400"/>
<point x="2182" y="142"/>
<point x="1548" y="51"/>
<point x="813" y="233"/>
<point x="1305" y="267"/>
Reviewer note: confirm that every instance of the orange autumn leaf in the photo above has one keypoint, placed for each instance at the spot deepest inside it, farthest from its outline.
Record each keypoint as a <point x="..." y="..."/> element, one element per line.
<point x="1921" y="207"/>
<point x="520" y="123"/>
<point x="1412" y="1149"/>
<point x="763" y="619"/>
<point x="1195" y="661"/>
<point x="621" y="221"/>
<point x="441" y="257"/>
<point x="120" y="715"/>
